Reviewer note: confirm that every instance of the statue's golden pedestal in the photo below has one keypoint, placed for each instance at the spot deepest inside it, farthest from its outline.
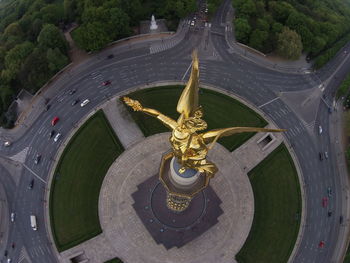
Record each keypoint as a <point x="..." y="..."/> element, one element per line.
<point x="179" y="194"/>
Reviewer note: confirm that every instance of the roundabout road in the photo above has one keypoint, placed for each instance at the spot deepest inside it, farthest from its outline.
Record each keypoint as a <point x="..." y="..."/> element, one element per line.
<point x="132" y="67"/>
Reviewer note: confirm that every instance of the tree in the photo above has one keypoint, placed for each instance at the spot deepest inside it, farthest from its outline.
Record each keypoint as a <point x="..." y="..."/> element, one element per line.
<point x="242" y="30"/>
<point x="289" y="44"/>
<point x="51" y="14"/>
<point x="306" y="37"/>
<point x="14" y="58"/>
<point x="51" y="37"/>
<point x="248" y="8"/>
<point x="56" y="60"/>
<point x="91" y="36"/>
<point x="296" y="20"/>
<point x="262" y="24"/>
<point x="318" y="43"/>
<point x="34" y="71"/>
<point x="277" y="27"/>
<point x="118" y="23"/>
<point x="257" y="39"/>
<point x="280" y="10"/>
<point x="69" y="7"/>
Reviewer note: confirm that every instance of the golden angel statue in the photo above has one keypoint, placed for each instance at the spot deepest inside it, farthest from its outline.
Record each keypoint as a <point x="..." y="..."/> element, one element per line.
<point x="189" y="146"/>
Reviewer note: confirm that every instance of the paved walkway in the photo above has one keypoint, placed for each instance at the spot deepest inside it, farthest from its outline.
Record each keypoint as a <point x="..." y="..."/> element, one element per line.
<point x="126" y="235"/>
<point x="253" y="151"/>
<point x="122" y="123"/>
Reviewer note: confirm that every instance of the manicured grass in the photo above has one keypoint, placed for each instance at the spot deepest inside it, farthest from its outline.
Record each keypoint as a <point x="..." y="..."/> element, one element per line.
<point x="220" y="111"/>
<point x="277" y="202"/>
<point x="78" y="178"/>
<point x="114" y="260"/>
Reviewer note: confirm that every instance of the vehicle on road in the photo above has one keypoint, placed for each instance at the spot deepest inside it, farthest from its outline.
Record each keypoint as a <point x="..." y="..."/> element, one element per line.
<point x="9" y="260"/>
<point x="320" y="156"/>
<point x="329" y="213"/>
<point x="33" y="222"/>
<point x="74" y="102"/>
<point x="340" y="219"/>
<point x="84" y="102"/>
<point x="6" y="253"/>
<point x="72" y="91"/>
<point x="54" y="121"/>
<point x="37" y="159"/>
<point x="321" y="244"/>
<point x="52" y="133"/>
<point x="13" y="217"/>
<point x="329" y="192"/>
<point x="326" y="155"/>
<point x="106" y="83"/>
<point x="7" y="143"/>
<point x="319" y="129"/>
<point x="110" y="56"/>
<point x="48" y="106"/>
<point x="31" y="184"/>
<point x="58" y="135"/>
<point x="330" y="110"/>
<point x="192" y="23"/>
<point x="324" y="201"/>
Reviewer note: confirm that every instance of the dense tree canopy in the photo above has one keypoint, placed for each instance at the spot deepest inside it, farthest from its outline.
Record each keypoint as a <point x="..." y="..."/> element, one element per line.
<point x="319" y="24"/>
<point x="33" y="47"/>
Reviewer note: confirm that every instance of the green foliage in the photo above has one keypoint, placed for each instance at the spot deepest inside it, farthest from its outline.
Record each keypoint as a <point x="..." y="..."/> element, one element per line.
<point x="13" y="60"/>
<point x="56" y="60"/>
<point x="242" y="30"/>
<point x="320" y="24"/>
<point x="51" y="37"/>
<point x="258" y="38"/>
<point x="343" y="89"/>
<point x="52" y="14"/>
<point x="289" y="44"/>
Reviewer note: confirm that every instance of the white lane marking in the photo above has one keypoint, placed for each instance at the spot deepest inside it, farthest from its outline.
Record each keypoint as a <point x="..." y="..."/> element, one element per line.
<point x="186" y="71"/>
<point x="30" y="170"/>
<point x="268" y="102"/>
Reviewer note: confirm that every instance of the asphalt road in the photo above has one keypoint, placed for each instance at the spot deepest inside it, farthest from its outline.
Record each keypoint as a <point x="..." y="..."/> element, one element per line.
<point x="133" y="67"/>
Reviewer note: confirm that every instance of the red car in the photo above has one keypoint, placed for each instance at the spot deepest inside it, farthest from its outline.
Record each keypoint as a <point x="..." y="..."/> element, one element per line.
<point x="54" y="121"/>
<point x="106" y="83"/>
<point x="321" y="244"/>
<point x="324" y="201"/>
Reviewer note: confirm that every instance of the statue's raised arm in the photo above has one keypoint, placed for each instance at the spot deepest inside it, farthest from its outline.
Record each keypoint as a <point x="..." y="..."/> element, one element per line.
<point x="136" y="106"/>
<point x="213" y="135"/>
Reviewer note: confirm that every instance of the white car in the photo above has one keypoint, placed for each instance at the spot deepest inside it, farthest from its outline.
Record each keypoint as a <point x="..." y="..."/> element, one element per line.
<point x="84" y="102"/>
<point x="58" y="135"/>
<point x="320" y="129"/>
<point x="12" y="217"/>
<point x="7" y="143"/>
<point x="192" y="23"/>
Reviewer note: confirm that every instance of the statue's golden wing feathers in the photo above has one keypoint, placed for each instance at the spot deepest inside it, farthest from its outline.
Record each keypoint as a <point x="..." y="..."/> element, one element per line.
<point x="213" y="135"/>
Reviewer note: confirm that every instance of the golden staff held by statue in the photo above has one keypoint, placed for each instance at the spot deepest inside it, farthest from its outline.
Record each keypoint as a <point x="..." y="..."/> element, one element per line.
<point x="190" y="147"/>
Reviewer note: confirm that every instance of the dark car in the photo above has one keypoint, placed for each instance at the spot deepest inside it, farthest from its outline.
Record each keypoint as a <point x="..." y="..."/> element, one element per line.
<point x="340" y="219"/>
<point x="110" y="56"/>
<point x="48" y="106"/>
<point x="321" y="156"/>
<point x="37" y="159"/>
<point x="31" y="184"/>
<point x="74" y="102"/>
<point x="52" y="133"/>
<point x="72" y="91"/>
<point x="329" y="213"/>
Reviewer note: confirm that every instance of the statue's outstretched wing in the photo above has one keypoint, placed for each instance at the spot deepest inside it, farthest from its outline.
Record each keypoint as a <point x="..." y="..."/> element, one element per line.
<point x="213" y="135"/>
<point x="188" y="101"/>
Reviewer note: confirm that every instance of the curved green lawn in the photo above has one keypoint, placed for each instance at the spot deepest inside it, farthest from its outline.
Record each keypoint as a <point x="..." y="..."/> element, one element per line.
<point x="277" y="202"/>
<point x="78" y="178"/>
<point x="220" y="111"/>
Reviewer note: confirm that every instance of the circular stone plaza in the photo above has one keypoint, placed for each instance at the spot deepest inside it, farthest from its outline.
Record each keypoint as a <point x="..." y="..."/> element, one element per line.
<point x="135" y="223"/>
